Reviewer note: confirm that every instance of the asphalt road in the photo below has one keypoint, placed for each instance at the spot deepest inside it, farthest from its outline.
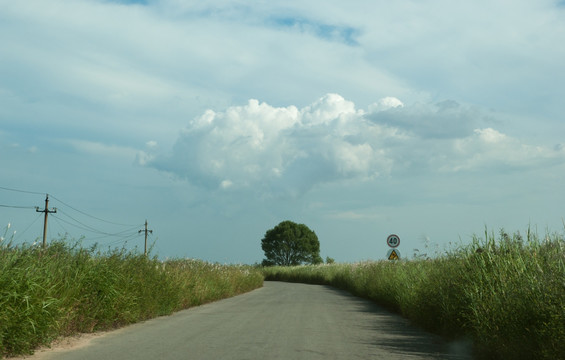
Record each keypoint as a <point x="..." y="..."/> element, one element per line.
<point x="278" y="321"/>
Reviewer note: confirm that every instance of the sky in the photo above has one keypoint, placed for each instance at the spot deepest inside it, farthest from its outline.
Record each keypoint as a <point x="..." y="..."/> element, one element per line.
<point x="215" y="121"/>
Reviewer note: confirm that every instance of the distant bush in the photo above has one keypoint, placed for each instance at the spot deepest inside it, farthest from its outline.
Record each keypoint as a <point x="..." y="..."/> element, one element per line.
<point x="67" y="289"/>
<point x="506" y="295"/>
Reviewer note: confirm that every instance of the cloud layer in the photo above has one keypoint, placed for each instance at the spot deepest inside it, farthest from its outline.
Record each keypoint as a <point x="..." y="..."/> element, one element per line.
<point x="287" y="151"/>
<point x="91" y="65"/>
<point x="86" y="86"/>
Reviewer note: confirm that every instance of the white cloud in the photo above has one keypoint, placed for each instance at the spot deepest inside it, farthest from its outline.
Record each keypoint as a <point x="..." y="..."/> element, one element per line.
<point x="487" y="149"/>
<point x="285" y="150"/>
<point x="386" y="103"/>
<point x="328" y="109"/>
<point x="278" y="149"/>
<point x="114" y="65"/>
<point x="490" y="136"/>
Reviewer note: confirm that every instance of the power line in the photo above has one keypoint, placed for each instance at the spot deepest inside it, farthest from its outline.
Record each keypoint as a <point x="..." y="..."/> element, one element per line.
<point x="91" y="216"/>
<point x="26" y="229"/>
<point x="124" y="239"/>
<point x="61" y="225"/>
<point x="62" y="202"/>
<point x="83" y="225"/>
<point x="17" y="207"/>
<point x="121" y="235"/>
<point x="21" y="191"/>
<point x="89" y="228"/>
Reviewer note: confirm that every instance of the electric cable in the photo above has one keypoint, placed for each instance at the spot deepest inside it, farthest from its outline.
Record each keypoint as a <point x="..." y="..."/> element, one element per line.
<point x="81" y="225"/>
<point x="88" y="228"/>
<point x="17" y="207"/>
<point x="124" y="240"/>
<point x="91" y="216"/>
<point x="122" y="236"/>
<point x="84" y="226"/>
<point x="21" y="191"/>
<point x="26" y="229"/>
<point x="61" y="225"/>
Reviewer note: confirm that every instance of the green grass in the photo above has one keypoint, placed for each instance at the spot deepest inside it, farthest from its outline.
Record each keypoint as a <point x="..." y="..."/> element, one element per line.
<point x="506" y="295"/>
<point x="67" y="289"/>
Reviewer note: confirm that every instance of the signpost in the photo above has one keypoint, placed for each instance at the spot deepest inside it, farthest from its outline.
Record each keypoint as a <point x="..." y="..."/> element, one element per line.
<point x="393" y="241"/>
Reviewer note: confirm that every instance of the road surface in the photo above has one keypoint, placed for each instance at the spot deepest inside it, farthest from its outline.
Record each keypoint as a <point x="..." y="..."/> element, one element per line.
<point x="278" y="321"/>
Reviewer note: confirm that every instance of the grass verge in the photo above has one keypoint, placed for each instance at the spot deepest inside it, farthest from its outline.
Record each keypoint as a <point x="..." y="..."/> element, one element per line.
<point x="67" y="289"/>
<point x="505" y="294"/>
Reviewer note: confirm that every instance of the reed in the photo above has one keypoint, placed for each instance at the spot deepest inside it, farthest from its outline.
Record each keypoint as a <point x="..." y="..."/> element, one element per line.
<point x="505" y="294"/>
<point x="67" y="289"/>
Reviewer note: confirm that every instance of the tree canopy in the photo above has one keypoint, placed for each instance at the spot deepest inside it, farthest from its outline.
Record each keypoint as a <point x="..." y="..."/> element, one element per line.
<point x="290" y="243"/>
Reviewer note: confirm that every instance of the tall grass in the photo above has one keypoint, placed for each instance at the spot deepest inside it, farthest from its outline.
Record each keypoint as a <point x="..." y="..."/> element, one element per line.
<point x="505" y="294"/>
<point x="67" y="289"/>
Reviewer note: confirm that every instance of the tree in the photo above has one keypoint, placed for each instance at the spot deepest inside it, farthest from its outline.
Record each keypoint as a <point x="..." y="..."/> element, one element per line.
<point x="289" y="243"/>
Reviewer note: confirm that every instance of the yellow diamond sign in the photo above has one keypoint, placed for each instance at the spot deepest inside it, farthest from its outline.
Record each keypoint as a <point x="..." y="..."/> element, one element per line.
<point x="393" y="254"/>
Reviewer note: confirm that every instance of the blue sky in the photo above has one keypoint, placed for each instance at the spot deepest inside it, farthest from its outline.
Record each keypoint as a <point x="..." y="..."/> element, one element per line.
<point x="217" y="120"/>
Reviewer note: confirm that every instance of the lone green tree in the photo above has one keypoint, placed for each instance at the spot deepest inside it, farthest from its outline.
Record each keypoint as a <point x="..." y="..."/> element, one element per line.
<point x="290" y="243"/>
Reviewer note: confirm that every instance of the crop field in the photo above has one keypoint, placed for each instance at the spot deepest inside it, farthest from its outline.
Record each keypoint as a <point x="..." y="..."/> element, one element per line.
<point x="503" y="295"/>
<point x="66" y="290"/>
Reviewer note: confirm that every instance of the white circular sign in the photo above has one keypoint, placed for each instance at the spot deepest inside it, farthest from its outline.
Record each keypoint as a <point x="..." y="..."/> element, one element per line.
<point x="393" y="240"/>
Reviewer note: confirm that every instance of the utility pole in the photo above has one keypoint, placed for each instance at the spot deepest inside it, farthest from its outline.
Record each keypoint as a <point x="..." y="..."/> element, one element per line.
<point x="146" y="231"/>
<point x="47" y="212"/>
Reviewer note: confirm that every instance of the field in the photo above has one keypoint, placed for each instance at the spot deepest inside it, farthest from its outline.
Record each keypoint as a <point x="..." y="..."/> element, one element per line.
<point x="505" y="296"/>
<point x="66" y="290"/>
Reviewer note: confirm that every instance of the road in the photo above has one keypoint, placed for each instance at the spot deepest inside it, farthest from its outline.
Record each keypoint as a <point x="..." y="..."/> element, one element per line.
<point x="278" y="321"/>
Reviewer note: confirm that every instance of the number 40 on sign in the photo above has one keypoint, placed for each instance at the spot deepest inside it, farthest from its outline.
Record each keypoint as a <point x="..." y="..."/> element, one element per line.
<point x="393" y="240"/>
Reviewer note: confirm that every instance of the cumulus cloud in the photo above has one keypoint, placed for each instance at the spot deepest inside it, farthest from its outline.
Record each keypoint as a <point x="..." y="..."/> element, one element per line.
<point x="489" y="149"/>
<point x="386" y="103"/>
<point x="278" y="149"/>
<point x="286" y="150"/>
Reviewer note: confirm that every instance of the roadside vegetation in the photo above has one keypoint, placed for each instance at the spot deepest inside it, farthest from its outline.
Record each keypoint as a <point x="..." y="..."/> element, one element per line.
<point x="504" y="294"/>
<point x="67" y="289"/>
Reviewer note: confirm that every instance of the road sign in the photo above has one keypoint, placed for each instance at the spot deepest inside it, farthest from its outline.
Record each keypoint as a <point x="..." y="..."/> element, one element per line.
<point x="393" y="254"/>
<point x="393" y="240"/>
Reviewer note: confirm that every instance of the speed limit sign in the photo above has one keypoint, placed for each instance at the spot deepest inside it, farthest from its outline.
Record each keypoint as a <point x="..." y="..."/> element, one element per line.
<point x="393" y="241"/>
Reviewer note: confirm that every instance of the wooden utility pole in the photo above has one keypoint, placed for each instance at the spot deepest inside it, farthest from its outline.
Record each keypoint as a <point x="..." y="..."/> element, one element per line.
<point x="146" y="231"/>
<point x="47" y="212"/>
